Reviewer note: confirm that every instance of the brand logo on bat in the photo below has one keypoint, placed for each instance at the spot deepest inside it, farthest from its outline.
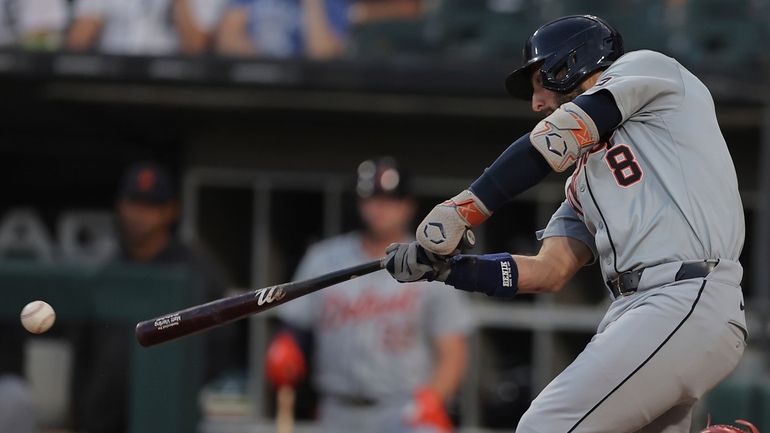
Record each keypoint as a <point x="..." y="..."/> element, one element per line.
<point x="169" y="321"/>
<point x="269" y="295"/>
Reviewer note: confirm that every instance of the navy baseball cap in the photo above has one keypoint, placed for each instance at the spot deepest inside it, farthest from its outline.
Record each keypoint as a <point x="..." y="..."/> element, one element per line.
<point x="147" y="182"/>
<point x="382" y="177"/>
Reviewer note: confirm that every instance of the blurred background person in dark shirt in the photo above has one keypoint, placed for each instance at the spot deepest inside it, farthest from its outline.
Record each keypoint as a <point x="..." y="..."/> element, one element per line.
<point x="316" y="29"/>
<point x="148" y="212"/>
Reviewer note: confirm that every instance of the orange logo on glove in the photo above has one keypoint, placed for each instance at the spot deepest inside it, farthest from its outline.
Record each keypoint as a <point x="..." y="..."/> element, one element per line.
<point x="469" y="211"/>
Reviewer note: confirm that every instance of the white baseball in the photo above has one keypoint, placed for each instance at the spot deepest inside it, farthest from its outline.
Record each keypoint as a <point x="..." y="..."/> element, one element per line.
<point x="37" y="317"/>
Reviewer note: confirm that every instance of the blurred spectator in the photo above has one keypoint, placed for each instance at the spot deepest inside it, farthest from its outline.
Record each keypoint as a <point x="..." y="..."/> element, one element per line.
<point x="316" y="29"/>
<point x="367" y="11"/>
<point x="148" y="212"/>
<point x="32" y="24"/>
<point x="17" y="412"/>
<point x="380" y="347"/>
<point x="196" y="22"/>
<point x="152" y="27"/>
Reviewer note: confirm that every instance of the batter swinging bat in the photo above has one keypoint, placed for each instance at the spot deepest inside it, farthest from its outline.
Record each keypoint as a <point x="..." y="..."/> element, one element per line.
<point x="202" y="317"/>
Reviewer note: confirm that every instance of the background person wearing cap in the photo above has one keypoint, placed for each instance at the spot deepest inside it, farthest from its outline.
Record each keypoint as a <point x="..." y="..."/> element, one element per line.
<point x="147" y="213"/>
<point x="387" y="357"/>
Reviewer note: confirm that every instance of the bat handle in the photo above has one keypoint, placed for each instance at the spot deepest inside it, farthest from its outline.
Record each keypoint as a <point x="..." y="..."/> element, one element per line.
<point x="284" y="418"/>
<point x="468" y="241"/>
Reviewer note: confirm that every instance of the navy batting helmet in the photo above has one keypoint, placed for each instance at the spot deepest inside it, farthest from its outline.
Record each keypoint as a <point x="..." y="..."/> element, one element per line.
<point x="568" y="50"/>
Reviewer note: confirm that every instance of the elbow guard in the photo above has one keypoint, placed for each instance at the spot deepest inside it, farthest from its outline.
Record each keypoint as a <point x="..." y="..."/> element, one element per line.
<point x="564" y="136"/>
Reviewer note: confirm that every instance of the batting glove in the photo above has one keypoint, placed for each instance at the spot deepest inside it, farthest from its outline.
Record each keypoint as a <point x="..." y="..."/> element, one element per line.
<point x="426" y="412"/>
<point x="443" y="229"/>
<point x="411" y="262"/>
<point x="285" y="363"/>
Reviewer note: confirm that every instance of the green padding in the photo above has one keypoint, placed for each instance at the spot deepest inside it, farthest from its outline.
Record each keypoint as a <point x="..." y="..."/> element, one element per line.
<point x="740" y="399"/>
<point x="164" y="389"/>
<point x="730" y="401"/>
<point x="164" y="380"/>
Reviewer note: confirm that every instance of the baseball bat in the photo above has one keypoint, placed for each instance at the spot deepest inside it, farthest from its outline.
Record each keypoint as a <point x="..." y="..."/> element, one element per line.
<point x="284" y="417"/>
<point x="216" y="313"/>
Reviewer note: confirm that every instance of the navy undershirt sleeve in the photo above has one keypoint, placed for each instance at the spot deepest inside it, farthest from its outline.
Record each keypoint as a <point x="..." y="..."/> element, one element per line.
<point x="520" y="166"/>
<point x="602" y="109"/>
<point x="517" y="169"/>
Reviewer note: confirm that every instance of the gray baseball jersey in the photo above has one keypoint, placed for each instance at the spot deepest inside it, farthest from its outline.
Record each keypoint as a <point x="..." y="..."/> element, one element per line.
<point x="664" y="187"/>
<point x="660" y="192"/>
<point x="374" y="336"/>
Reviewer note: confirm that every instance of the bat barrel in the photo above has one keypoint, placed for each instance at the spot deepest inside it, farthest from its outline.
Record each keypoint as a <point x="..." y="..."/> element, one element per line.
<point x="216" y="313"/>
<point x="206" y="316"/>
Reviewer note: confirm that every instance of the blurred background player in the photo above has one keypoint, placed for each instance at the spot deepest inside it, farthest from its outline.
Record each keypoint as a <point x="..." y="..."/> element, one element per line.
<point x="148" y="212"/>
<point x="385" y="356"/>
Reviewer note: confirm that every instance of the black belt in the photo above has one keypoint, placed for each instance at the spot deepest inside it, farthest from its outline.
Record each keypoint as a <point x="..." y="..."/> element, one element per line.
<point x="627" y="282"/>
<point x="353" y="400"/>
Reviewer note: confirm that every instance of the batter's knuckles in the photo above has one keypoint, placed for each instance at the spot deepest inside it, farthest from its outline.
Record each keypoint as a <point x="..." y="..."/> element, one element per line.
<point x="395" y="258"/>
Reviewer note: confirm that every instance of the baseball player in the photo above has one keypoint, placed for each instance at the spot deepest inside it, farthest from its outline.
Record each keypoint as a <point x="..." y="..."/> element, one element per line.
<point x="387" y="356"/>
<point x="653" y="197"/>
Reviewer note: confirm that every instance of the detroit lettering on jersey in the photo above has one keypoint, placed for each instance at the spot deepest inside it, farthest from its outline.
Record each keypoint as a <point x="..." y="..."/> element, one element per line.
<point x="340" y="310"/>
<point x="663" y="188"/>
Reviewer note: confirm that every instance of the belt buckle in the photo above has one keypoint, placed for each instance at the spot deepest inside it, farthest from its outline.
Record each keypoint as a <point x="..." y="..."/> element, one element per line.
<point x="618" y="282"/>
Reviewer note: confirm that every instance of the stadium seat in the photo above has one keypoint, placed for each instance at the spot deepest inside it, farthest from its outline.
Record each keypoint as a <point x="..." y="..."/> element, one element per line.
<point x="483" y="29"/>
<point x="384" y="39"/>
<point x="725" y="33"/>
<point x="740" y="399"/>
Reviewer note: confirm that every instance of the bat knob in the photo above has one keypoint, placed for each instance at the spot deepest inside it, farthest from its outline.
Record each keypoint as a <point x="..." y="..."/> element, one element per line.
<point x="468" y="241"/>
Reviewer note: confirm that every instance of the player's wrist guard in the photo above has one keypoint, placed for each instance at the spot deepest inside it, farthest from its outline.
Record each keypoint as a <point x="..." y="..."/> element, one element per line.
<point x="494" y="274"/>
<point x="442" y="230"/>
